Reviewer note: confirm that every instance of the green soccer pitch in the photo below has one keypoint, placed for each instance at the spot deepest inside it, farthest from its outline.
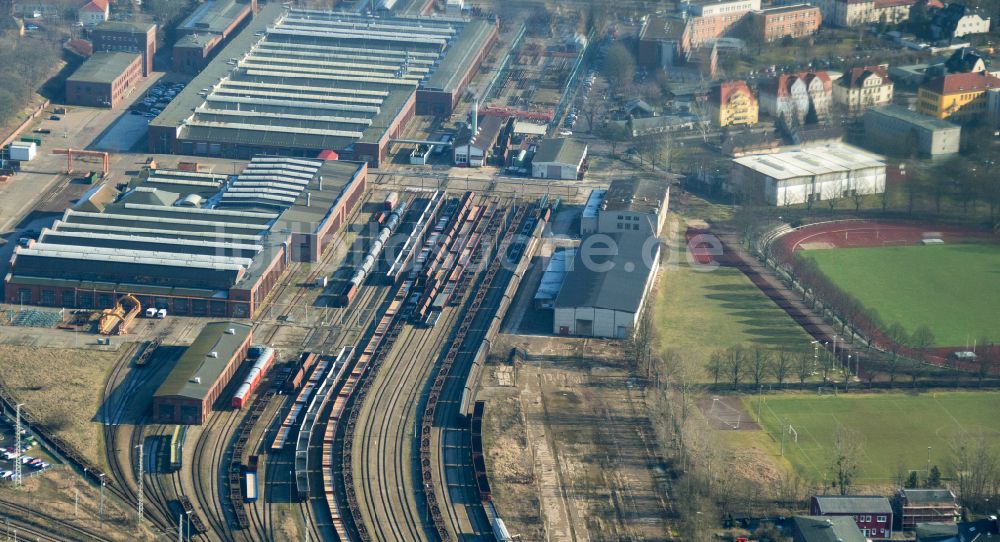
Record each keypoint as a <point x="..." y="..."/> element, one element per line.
<point x="894" y="428"/>
<point x="953" y="289"/>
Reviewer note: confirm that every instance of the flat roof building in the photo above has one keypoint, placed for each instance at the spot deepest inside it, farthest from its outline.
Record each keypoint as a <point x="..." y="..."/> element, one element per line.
<point x="206" y="30"/>
<point x="560" y="158"/>
<point x="104" y="79"/>
<point x="607" y="285"/>
<point x="199" y="244"/>
<point x="634" y="205"/>
<point x="806" y="175"/>
<point x="893" y="129"/>
<point x="129" y="37"/>
<point x="298" y="82"/>
<point x="201" y="374"/>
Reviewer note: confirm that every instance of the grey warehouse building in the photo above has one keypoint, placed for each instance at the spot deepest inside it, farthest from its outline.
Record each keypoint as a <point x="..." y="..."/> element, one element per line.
<point x="892" y="129"/>
<point x="300" y="82"/>
<point x="606" y="288"/>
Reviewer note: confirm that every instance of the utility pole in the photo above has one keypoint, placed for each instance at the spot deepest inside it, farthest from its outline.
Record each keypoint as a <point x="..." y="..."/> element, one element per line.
<point x="76" y="502"/>
<point x="760" y="398"/>
<point x="17" y="450"/>
<point x="141" y="473"/>
<point x="101" y="508"/>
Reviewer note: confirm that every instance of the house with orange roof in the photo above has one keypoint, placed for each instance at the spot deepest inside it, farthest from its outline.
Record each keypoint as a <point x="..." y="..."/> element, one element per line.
<point x="732" y="103"/>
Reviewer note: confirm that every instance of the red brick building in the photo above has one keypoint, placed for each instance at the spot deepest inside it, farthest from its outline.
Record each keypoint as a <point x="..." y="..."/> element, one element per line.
<point x="128" y="37"/>
<point x="873" y="515"/>
<point x="104" y="80"/>
<point x="796" y="21"/>
<point x="201" y="374"/>
<point x="203" y="32"/>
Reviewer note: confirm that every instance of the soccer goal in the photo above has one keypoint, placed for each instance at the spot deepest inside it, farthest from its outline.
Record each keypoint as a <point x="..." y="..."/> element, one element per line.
<point x="727" y="415"/>
<point x="826" y="391"/>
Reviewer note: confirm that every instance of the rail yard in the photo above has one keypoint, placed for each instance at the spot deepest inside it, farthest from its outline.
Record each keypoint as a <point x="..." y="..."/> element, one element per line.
<point x="286" y="316"/>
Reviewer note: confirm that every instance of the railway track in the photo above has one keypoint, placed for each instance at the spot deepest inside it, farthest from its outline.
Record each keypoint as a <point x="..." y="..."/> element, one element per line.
<point x="391" y="501"/>
<point x="445" y="453"/>
<point x="46" y="527"/>
<point x="122" y="478"/>
<point x="207" y="495"/>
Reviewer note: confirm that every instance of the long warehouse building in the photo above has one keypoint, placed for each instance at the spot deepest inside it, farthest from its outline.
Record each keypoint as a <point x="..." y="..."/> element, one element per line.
<point x="199" y="244"/>
<point x="298" y="82"/>
<point x="204" y="369"/>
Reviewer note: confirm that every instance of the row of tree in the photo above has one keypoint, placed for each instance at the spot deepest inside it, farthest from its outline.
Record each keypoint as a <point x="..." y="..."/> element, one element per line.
<point x="739" y="364"/>
<point x="27" y="64"/>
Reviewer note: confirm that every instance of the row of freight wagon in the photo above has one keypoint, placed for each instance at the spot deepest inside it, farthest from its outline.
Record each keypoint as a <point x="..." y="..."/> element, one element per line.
<point x="264" y="358"/>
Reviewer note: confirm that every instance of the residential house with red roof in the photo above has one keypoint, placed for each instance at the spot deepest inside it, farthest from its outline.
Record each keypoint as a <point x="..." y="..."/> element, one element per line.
<point x="796" y="94"/>
<point x="94" y="12"/>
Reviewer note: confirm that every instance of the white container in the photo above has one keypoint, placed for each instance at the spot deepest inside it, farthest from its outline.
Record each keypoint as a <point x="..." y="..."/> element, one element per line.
<point x="23" y="152"/>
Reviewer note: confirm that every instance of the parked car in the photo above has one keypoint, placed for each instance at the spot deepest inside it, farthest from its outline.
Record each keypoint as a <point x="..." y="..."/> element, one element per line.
<point x="55" y="117"/>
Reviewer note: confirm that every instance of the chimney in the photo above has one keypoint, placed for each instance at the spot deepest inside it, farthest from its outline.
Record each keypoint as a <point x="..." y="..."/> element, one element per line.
<point x="475" y="117"/>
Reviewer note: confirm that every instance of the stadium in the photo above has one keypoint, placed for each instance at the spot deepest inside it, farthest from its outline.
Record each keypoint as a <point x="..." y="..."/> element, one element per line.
<point x="299" y="82"/>
<point x="913" y="274"/>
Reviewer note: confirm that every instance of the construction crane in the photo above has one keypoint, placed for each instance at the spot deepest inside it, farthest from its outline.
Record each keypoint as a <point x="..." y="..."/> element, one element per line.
<point x="115" y="321"/>
<point x="70" y="153"/>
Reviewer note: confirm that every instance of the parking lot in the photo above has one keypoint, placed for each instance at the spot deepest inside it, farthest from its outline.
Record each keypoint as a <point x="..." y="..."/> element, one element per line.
<point x="156" y="99"/>
<point x="31" y="462"/>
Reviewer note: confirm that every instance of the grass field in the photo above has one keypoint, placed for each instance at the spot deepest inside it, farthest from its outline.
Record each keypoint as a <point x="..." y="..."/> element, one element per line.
<point x="698" y="312"/>
<point x="895" y="427"/>
<point x="951" y="288"/>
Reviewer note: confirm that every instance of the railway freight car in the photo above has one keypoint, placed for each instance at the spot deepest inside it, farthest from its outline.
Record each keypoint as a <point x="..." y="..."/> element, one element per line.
<point x="260" y="366"/>
<point x="390" y="201"/>
<point x="368" y="263"/>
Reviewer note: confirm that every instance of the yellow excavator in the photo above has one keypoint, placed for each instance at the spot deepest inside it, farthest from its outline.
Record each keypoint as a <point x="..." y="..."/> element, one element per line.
<point x="115" y="321"/>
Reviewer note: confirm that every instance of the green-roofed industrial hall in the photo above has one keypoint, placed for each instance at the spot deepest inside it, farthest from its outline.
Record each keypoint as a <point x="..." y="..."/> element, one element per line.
<point x="201" y="374"/>
<point x="104" y="79"/>
<point x="297" y="82"/>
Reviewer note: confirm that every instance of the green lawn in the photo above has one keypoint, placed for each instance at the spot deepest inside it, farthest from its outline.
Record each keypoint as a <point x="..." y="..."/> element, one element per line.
<point x="894" y="427"/>
<point x="953" y="289"/>
<point x="698" y="312"/>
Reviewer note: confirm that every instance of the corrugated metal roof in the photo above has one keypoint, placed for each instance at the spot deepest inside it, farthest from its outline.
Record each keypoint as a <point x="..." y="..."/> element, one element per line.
<point x="810" y="161"/>
<point x="555" y="273"/>
<point x="594" y="203"/>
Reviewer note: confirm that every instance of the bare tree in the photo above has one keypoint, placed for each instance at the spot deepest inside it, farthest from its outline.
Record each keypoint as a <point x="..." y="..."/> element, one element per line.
<point x="736" y="360"/>
<point x="846" y="462"/>
<point x="921" y="341"/>
<point x="975" y="467"/>
<point x="897" y="339"/>
<point x="782" y="366"/>
<point x="759" y="364"/>
<point x="619" y="65"/>
<point x="716" y="365"/>
<point x="803" y="366"/>
<point x="985" y="359"/>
